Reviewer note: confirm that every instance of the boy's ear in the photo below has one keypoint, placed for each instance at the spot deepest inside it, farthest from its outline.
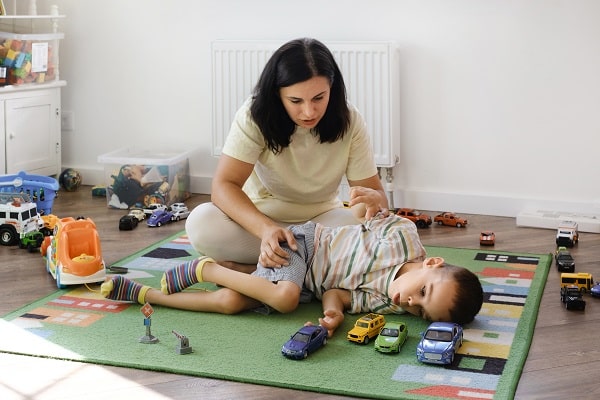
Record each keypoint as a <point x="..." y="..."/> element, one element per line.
<point x="433" y="262"/>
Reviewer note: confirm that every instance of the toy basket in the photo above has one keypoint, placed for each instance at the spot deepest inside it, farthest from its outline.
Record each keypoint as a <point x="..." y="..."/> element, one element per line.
<point x="41" y="189"/>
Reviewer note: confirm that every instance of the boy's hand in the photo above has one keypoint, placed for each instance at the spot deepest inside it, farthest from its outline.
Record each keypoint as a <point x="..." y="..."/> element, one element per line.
<point x="331" y="320"/>
<point x="271" y="253"/>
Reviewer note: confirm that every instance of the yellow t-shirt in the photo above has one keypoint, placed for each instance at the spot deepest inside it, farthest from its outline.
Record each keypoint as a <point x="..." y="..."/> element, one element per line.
<point x="303" y="180"/>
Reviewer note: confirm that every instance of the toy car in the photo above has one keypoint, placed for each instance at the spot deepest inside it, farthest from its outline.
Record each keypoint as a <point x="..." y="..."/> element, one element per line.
<point x="154" y="207"/>
<point x="32" y="241"/>
<point x="366" y="328"/>
<point x="73" y="254"/>
<point x="307" y="340"/>
<point x="567" y="233"/>
<point x="392" y="337"/>
<point x="128" y="223"/>
<point x="180" y="213"/>
<point x="564" y="260"/>
<point x="439" y="343"/>
<point x="138" y="213"/>
<point x="50" y="221"/>
<point x="450" y="219"/>
<point x="571" y="296"/>
<point x="178" y="206"/>
<point x="595" y="290"/>
<point x="159" y="218"/>
<point x="487" y="238"/>
<point x="421" y="220"/>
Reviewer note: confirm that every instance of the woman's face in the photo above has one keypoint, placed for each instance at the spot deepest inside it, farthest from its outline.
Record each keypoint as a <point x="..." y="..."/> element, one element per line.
<point x="306" y="102"/>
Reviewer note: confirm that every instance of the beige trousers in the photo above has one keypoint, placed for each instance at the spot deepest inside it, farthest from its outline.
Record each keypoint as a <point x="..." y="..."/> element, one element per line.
<point x="212" y="233"/>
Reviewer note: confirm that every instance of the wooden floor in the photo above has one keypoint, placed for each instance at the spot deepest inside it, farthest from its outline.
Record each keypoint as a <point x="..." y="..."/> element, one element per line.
<point x="563" y="362"/>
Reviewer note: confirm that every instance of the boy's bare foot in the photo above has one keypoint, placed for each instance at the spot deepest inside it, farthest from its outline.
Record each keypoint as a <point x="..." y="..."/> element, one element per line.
<point x="245" y="268"/>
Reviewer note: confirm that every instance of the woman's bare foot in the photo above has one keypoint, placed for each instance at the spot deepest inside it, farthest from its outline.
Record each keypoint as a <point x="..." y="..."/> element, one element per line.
<point x="245" y="268"/>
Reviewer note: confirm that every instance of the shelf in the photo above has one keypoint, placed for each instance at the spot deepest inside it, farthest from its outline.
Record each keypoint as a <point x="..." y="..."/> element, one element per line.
<point x="31" y="86"/>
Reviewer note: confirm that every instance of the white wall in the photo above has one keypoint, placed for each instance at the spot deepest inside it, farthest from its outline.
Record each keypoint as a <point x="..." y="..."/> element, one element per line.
<point x="500" y="98"/>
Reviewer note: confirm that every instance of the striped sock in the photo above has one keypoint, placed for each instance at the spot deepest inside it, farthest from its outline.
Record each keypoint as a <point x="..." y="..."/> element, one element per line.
<point x="123" y="289"/>
<point x="183" y="276"/>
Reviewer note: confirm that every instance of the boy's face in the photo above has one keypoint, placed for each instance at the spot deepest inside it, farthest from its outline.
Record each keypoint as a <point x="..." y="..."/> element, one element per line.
<point x="425" y="290"/>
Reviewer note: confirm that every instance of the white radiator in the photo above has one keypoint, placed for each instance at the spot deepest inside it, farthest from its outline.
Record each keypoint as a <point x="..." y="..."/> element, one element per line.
<point x="371" y="74"/>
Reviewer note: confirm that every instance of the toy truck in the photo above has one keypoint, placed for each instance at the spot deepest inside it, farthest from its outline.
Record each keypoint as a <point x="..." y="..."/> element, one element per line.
<point x="567" y="234"/>
<point x="18" y="217"/>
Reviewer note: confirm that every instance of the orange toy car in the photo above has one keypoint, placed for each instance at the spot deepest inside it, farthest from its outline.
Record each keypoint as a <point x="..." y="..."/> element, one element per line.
<point x="487" y="238"/>
<point x="448" y="218"/>
<point x="421" y="220"/>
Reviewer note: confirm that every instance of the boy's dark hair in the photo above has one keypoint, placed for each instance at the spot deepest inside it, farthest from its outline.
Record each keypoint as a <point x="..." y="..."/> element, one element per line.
<point x="469" y="295"/>
<point x="298" y="61"/>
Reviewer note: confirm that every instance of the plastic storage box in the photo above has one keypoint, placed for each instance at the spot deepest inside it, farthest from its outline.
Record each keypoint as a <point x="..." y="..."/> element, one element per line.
<point x="41" y="189"/>
<point x="29" y="58"/>
<point x="138" y="177"/>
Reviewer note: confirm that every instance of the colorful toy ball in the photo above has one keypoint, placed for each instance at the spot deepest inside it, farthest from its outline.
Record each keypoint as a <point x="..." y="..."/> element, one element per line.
<point x="70" y="179"/>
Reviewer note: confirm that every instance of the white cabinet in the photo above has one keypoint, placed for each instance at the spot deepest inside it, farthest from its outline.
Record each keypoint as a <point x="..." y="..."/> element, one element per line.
<point x="31" y="130"/>
<point x="30" y="113"/>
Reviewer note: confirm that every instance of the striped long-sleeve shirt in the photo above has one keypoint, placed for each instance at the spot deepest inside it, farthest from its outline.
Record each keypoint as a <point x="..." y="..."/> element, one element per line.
<point x="363" y="261"/>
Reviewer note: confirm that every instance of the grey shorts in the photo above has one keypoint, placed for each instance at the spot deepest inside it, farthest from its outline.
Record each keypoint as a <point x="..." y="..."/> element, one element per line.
<point x="299" y="259"/>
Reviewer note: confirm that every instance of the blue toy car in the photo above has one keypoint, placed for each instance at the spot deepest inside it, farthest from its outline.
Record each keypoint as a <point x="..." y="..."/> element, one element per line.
<point x="595" y="290"/>
<point x="307" y="340"/>
<point x="439" y="343"/>
<point x="159" y="218"/>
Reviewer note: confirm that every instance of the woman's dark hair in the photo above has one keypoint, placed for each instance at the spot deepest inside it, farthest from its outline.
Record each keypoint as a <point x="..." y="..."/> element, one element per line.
<point x="298" y="61"/>
<point x="469" y="295"/>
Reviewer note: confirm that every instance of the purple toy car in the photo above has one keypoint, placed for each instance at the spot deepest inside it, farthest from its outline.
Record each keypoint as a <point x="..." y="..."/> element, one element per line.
<point x="307" y="340"/>
<point x="159" y="218"/>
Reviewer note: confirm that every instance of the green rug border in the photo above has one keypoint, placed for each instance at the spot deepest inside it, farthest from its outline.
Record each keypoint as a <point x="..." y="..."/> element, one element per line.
<point x="507" y="382"/>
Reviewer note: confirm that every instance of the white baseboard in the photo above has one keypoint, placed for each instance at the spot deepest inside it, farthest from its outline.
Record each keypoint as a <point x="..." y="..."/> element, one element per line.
<point x="467" y="203"/>
<point x="485" y="204"/>
<point x="478" y="203"/>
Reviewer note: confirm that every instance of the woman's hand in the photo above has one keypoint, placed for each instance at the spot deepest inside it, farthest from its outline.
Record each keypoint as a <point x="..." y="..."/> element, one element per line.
<point x="370" y="199"/>
<point x="271" y="253"/>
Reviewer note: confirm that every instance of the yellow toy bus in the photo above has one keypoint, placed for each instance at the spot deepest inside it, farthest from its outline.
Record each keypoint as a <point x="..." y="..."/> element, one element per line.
<point x="583" y="280"/>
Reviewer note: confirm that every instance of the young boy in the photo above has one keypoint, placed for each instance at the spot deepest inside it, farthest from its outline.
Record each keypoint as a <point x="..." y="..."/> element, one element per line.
<point x="378" y="266"/>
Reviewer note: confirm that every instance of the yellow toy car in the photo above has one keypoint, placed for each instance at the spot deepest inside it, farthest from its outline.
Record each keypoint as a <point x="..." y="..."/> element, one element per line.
<point x="366" y="328"/>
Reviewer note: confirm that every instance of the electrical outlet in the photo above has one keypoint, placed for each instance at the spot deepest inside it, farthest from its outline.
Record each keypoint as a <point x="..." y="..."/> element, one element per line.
<point x="67" y="120"/>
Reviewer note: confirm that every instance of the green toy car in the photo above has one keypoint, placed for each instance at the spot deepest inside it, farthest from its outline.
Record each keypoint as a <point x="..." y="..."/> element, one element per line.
<point x="391" y="338"/>
<point x="32" y="241"/>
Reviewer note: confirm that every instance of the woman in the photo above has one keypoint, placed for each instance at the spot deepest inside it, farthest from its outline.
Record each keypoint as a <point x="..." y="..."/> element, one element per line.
<point x="287" y="151"/>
